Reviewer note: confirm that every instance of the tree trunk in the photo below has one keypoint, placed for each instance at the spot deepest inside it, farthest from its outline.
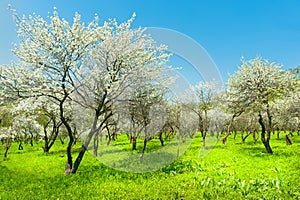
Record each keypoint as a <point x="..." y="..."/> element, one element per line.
<point x="234" y="134"/>
<point x="45" y="148"/>
<point x="288" y="140"/>
<point x="96" y="144"/>
<point x="70" y="133"/>
<point x="217" y="135"/>
<point x="203" y="140"/>
<point x="88" y="140"/>
<point x="113" y="136"/>
<point x="53" y="139"/>
<point x="265" y="141"/>
<point x="82" y="151"/>
<point x="254" y="137"/>
<point x="20" y="146"/>
<point x="244" y="138"/>
<point x="61" y="140"/>
<point x="48" y="142"/>
<point x="31" y="142"/>
<point x="7" y="146"/>
<point x="229" y="126"/>
<point x="144" y="148"/>
<point x="161" y="138"/>
<point x="134" y="143"/>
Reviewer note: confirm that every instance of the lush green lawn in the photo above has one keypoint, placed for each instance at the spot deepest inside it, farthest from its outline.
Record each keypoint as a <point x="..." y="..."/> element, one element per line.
<point x="231" y="171"/>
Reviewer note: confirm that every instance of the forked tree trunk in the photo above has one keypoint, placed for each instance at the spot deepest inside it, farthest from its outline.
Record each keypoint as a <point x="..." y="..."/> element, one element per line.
<point x="228" y="128"/>
<point x="48" y="142"/>
<point x="85" y="144"/>
<point x="88" y="140"/>
<point x="245" y="137"/>
<point x="265" y="141"/>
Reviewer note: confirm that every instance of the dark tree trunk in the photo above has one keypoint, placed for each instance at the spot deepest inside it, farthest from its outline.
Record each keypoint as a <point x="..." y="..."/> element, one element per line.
<point x="234" y="134"/>
<point x="113" y="136"/>
<point x="31" y="142"/>
<point x="46" y="144"/>
<point x="244" y="138"/>
<point x="86" y="144"/>
<point x="54" y="138"/>
<point x="70" y="143"/>
<point x="288" y="140"/>
<point x="82" y="151"/>
<point x="20" y="146"/>
<point x="144" y="148"/>
<point x="49" y="141"/>
<point x="134" y="143"/>
<point x="89" y="138"/>
<point x="265" y="141"/>
<point x="61" y="140"/>
<point x="161" y="138"/>
<point x="203" y="139"/>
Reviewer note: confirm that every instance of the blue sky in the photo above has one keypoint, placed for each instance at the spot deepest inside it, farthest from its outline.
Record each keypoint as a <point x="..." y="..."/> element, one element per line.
<point x="227" y="29"/>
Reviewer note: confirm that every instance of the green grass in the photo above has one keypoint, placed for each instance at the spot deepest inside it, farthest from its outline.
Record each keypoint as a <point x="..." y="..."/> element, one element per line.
<point x="231" y="171"/>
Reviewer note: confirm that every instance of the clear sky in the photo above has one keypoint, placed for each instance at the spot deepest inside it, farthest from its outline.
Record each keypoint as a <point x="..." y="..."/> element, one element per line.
<point x="227" y="29"/>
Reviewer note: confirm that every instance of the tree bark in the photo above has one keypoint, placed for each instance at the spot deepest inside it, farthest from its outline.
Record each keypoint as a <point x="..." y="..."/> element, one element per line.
<point x="228" y="128"/>
<point x="49" y="141"/>
<point x="7" y="146"/>
<point x="86" y="143"/>
<point x="244" y="138"/>
<point x="288" y="140"/>
<point x="265" y="141"/>
<point x="61" y="140"/>
<point x="20" y="146"/>
<point x="203" y="140"/>
<point x="134" y="143"/>
<point x="144" y="148"/>
<point x="254" y="137"/>
<point x="69" y="147"/>
<point x="234" y="134"/>
<point x="161" y="138"/>
<point x="96" y="144"/>
<point x="89" y="138"/>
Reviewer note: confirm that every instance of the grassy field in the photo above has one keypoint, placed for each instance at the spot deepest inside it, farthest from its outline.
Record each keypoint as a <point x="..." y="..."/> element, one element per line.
<point x="231" y="171"/>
